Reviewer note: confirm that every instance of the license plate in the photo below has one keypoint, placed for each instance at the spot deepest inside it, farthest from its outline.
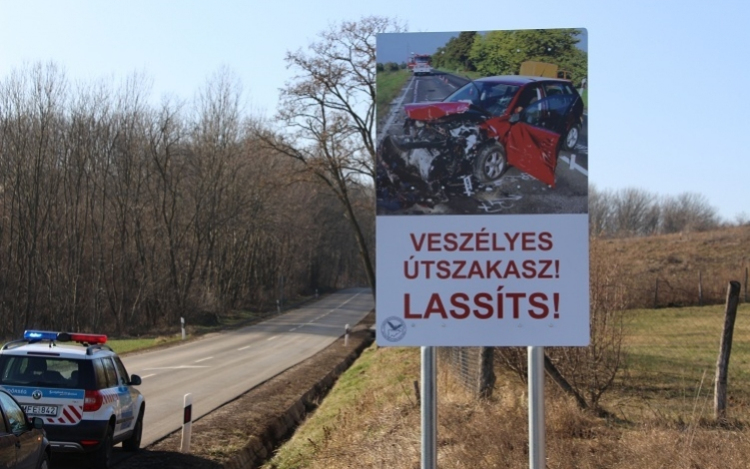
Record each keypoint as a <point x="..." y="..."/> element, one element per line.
<point x="40" y="409"/>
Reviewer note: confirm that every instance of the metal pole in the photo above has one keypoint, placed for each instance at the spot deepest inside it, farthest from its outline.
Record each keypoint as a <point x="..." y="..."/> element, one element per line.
<point x="536" y="408"/>
<point x="429" y="408"/>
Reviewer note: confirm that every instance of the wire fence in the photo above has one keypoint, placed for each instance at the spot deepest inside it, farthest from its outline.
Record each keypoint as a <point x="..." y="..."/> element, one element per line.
<point x="666" y="363"/>
<point x="463" y="363"/>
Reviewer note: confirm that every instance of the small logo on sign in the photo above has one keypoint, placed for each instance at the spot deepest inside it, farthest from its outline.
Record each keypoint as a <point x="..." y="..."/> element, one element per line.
<point x="393" y="329"/>
<point x="37" y="394"/>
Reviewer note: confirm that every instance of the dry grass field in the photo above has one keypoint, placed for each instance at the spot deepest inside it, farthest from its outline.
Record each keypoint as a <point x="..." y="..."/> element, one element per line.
<point x="660" y="409"/>
<point x="679" y="262"/>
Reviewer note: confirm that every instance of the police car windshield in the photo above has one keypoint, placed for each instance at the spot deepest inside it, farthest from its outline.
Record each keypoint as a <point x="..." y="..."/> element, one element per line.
<point x="44" y="372"/>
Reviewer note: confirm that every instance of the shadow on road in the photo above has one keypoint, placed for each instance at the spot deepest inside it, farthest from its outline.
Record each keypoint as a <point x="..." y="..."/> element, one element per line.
<point x="143" y="459"/>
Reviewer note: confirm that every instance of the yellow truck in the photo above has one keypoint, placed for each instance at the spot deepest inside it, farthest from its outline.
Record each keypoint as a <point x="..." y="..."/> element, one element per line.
<point x="542" y="69"/>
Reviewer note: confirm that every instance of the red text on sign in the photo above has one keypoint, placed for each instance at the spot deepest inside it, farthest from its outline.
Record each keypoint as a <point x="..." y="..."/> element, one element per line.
<point x="484" y="305"/>
<point x="481" y="241"/>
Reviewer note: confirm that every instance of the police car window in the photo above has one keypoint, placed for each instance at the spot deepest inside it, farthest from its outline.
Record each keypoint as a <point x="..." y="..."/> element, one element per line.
<point x="16" y="417"/>
<point x="109" y="369"/>
<point x="121" y="371"/>
<point x="37" y="371"/>
<point x="101" y="374"/>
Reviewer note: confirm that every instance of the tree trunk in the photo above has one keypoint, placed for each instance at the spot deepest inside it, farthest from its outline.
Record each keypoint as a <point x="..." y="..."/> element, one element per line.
<point x="554" y="373"/>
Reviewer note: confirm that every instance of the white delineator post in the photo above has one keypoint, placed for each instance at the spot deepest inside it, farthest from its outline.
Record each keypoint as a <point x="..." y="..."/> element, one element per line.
<point x="182" y="326"/>
<point x="187" y="423"/>
<point x="346" y="335"/>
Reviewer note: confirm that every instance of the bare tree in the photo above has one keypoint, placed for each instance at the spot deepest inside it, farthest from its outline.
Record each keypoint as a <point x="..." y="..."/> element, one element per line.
<point x="591" y="370"/>
<point x="600" y="211"/>
<point x="586" y="373"/>
<point x="688" y="212"/>
<point x="119" y="217"/>
<point x="328" y="109"/>
<point x="635" y="212"/>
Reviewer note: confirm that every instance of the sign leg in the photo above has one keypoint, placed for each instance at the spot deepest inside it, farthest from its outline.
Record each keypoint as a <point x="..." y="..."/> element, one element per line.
<point x="536" y="408"/>
<point x="429" y="408"/>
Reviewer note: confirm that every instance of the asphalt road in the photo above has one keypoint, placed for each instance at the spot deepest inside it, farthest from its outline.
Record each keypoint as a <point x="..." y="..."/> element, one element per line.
<point x="219" y="367"/>
<point x="515" y="192"/>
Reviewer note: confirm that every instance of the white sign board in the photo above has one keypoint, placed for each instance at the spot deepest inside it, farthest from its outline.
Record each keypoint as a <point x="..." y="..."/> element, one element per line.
<point x="472" y="280"/>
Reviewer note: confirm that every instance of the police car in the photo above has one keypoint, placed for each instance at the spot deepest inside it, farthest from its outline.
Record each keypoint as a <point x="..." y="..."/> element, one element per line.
<point x="79" y="387"/>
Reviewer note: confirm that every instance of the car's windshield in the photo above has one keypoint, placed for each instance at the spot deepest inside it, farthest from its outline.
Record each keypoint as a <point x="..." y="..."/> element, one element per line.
<point x="492" y="97"/>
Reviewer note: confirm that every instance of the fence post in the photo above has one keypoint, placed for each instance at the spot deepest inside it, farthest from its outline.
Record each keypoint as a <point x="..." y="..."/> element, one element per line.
<point x="486" y="372"/>
<point x="722" y="363"/>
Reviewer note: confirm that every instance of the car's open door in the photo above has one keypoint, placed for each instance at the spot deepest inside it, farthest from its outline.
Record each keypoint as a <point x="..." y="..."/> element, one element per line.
<point x="534" y="139"/>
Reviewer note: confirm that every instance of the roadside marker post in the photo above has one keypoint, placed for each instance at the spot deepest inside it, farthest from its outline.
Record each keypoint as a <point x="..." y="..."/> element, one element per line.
<point x="187" y="423"/>
<point x="182" y="326"/>
<point x="346" y="335"/>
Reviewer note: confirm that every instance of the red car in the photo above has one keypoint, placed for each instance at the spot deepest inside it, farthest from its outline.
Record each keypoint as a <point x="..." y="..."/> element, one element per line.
<point x="491" y="123"/>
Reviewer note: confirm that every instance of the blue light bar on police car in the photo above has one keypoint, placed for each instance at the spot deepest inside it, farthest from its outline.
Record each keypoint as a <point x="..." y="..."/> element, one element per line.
<point x="39" y="335"/>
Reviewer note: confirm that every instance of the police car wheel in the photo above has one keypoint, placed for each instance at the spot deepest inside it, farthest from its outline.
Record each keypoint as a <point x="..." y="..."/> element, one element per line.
<point x="134" y="442"/>
<point x="100" y="458"/>
<point x="44" y="461"/>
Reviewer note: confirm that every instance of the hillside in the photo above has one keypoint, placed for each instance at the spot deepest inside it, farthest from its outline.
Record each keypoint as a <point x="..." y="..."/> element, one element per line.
<point x="679" y="263"/>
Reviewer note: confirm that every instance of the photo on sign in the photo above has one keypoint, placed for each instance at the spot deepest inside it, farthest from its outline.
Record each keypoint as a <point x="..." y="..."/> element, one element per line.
<point x="485" y="122"/>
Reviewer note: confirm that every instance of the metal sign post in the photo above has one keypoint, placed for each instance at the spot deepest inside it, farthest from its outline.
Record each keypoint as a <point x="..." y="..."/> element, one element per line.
<point x="429" y="408"/>
<point x="536" y="407"/>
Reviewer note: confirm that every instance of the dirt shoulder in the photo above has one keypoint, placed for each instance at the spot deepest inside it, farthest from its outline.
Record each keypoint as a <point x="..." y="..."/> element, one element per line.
<point x="262" y="414"/>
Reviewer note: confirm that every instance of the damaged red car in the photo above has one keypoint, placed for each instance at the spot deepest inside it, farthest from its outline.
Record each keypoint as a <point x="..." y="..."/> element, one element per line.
<point x="486" y="126"/>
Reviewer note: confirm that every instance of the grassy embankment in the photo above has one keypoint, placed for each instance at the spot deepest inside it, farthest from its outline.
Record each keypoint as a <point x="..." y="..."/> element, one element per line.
<point x="389" y="85"/>
<point x="662" y="402"/>
<point x="371" y="417"/>
<point x="671" y="357"/>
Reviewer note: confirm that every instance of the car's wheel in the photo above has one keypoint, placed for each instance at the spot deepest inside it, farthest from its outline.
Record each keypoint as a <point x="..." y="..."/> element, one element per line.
<point x="43" y="461"/>
<point x="101" y="457"/>
<point x="490" y="163"/>
<point x="134" y="442"/>
<point x="571" y="138"/>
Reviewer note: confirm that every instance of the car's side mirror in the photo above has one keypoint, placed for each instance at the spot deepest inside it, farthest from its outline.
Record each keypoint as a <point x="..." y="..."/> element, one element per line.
<point x="516" y="117"/>
<point x="37" y="423"/>
<point x="135" y="380"/>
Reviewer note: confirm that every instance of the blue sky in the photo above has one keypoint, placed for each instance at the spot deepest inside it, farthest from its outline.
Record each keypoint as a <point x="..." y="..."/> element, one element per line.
<point x="667" y="79"/>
